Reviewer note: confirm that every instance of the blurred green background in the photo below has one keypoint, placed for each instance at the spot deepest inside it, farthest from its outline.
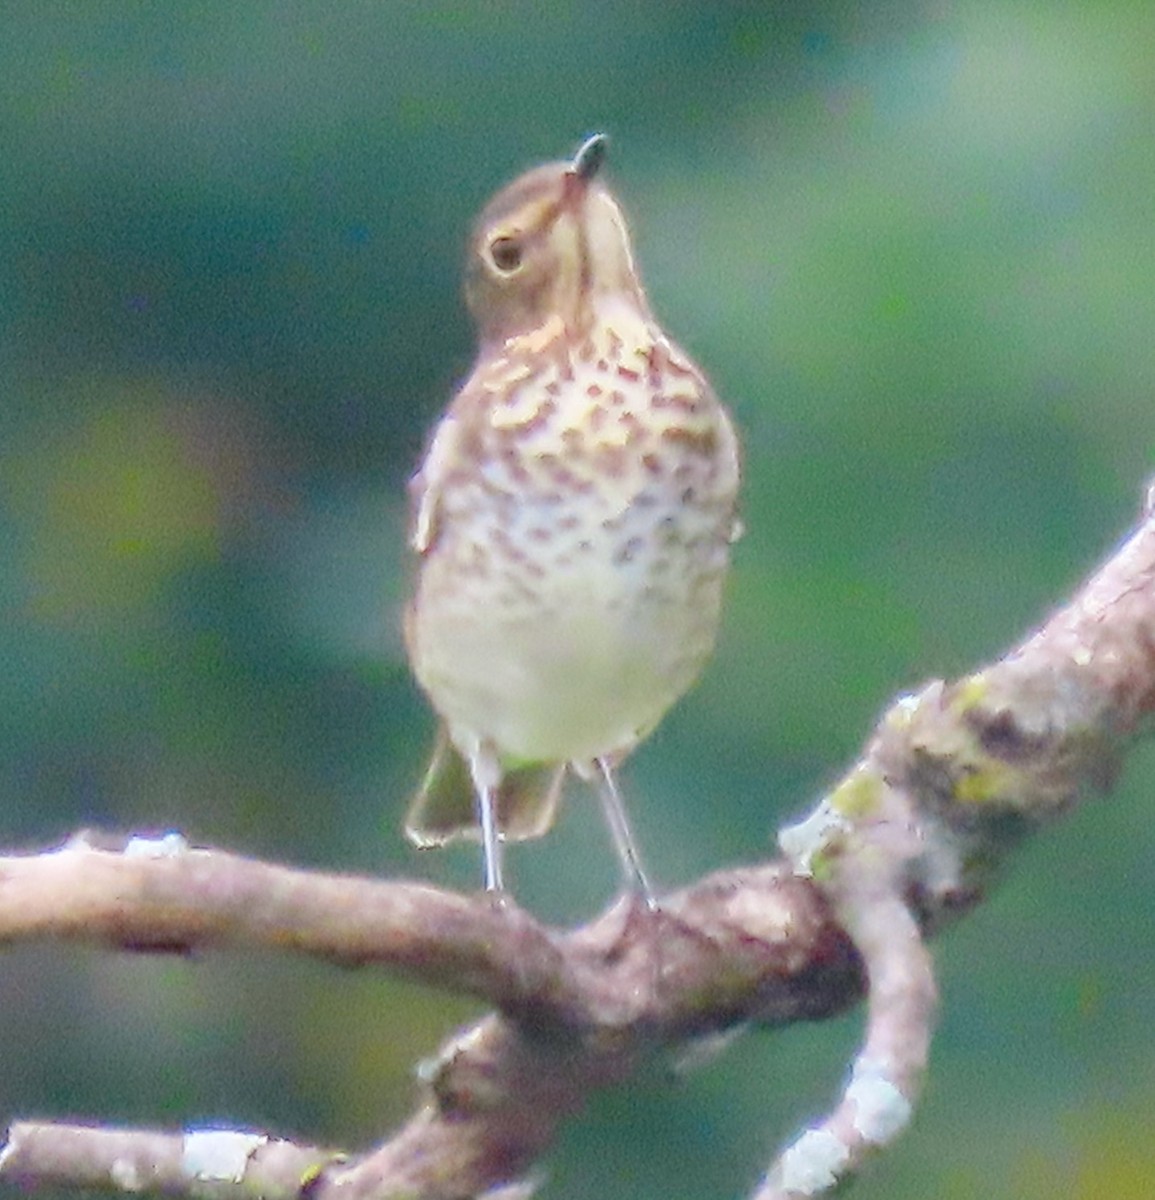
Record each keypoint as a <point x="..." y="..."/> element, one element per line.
<point x="912" y="244"/>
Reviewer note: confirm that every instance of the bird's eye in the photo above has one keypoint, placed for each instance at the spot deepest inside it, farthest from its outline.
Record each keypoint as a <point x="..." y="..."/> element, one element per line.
<point x="505" y="254"/>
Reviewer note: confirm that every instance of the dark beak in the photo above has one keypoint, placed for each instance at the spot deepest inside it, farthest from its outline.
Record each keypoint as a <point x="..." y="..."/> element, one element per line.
<point x="589" y="158"/>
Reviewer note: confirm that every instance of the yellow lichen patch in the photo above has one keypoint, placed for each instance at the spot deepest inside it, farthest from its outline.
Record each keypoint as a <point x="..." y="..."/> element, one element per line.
<point x="311" y="1174"/>
<point x="857" y="795"/>
<point x="900" y="716"/>
<point x="823" y="862"/>
<point x="970" y="692"/>
<point x="982" y="785"/>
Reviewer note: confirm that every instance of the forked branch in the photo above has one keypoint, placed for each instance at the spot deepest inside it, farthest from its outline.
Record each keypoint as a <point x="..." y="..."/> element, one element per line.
<point x="951" y="781"/>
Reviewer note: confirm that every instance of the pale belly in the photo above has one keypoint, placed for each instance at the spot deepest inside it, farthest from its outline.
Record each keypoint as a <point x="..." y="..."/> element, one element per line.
<point x="584" y="668"/>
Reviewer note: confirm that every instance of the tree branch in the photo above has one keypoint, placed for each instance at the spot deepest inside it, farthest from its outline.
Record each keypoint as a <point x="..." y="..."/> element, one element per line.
<point x="225" y="1163"/>
<point x="951" y="781"/>
<point x="629" y="968"/>
<point x="580" y="1008"/>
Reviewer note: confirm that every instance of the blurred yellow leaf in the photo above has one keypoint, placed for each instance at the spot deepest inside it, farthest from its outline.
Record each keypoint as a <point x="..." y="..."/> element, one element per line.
<point x="112" y="506"/>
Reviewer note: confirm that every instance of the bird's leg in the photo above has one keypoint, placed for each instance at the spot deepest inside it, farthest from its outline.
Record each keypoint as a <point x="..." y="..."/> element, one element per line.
<point x="633" y="874"/>
<point x="486" y="773"/>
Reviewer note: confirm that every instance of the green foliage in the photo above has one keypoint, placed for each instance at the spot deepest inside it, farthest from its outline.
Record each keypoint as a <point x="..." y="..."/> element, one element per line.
<point x="911" y="244"/>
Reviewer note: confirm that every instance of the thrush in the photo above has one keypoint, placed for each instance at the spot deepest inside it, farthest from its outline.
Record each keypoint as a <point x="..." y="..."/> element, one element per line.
<point x="573" y="516"/>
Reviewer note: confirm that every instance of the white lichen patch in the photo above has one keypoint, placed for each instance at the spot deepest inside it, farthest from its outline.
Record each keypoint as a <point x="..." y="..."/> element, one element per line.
<point x="219" y="1155"/>
<point x="813" y="1164"/>
<point x="881" y="1109"/>
<point x="169" y="845"/>
<point x="803" y="842"/>
<point x="80" y="842"/>
<point x="125" y="1175"/>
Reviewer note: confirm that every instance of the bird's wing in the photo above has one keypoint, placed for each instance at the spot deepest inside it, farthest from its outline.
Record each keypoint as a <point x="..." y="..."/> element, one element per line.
<point x="451" y="446"/>
<point x="425" y="486"/>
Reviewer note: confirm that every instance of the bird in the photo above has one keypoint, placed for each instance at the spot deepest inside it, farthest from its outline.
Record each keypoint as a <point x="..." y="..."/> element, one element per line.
<point x="572" y="520"/>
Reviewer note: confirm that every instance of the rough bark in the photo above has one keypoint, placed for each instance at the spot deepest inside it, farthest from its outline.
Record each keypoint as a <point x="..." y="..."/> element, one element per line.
<point x="951" y="781"/>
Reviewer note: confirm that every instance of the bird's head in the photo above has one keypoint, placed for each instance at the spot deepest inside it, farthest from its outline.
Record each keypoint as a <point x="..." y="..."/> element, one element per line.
<point x="549" y="246"/>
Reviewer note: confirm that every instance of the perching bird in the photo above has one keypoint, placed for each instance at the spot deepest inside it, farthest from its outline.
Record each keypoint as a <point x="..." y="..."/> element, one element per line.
<point x="573" y="515"/>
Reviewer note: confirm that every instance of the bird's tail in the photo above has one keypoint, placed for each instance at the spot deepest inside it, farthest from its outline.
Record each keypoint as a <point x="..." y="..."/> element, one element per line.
<point x="444" y="808"/>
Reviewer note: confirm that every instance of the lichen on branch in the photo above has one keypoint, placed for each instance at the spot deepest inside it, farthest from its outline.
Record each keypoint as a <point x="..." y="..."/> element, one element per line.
<point x="953" y="778"/>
